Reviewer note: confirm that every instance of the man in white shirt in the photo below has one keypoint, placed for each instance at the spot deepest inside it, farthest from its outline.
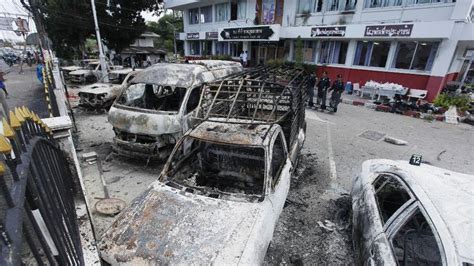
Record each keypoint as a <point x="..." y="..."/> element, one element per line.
<point x="244" y="59"/>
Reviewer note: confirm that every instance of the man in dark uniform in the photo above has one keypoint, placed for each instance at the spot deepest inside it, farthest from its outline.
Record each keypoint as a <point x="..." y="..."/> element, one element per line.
<point x="310" y="89"/>
<point x="337" y="89"/>
<point x="323" y="86"/>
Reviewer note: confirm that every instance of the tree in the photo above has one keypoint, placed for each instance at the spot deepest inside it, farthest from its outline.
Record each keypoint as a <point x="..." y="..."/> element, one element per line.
<point x="164" y="28"/>
<point x="69" y="22"/>
<point x="299" y="51"/>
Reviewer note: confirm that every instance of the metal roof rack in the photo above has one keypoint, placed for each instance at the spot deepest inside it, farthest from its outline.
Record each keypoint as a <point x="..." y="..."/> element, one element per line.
<point x="260" y="95"/>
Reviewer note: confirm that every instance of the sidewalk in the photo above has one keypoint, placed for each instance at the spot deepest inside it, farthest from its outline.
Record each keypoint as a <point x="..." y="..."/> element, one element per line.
<point x="25" y="89"/>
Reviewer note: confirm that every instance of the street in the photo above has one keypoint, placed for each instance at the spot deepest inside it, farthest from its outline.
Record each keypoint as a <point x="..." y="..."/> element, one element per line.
<point x="314" y="227"/>
<point x="25" y="89"/>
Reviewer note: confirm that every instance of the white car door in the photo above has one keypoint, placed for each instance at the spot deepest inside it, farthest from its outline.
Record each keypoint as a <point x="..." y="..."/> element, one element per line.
<point x="190" y="103"/>
<point x="280" y="174"/>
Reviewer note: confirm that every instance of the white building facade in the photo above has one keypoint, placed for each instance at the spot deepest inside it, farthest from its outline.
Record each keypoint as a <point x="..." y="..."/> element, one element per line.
<point x="420" y="44"/>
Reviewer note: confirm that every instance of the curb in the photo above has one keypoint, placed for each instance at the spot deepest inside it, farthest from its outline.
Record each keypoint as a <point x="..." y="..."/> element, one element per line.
<point x="384" y="108"/>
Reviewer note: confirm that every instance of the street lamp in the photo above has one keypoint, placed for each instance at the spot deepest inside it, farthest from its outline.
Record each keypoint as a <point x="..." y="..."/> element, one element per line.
<point x="174" y="39"/>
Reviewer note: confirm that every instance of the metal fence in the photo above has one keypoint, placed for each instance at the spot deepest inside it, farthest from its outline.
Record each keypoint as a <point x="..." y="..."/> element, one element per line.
<point x="38" y="222"/>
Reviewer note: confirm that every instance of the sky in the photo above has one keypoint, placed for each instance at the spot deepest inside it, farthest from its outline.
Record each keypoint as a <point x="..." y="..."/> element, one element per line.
<point x="14" y="8"/>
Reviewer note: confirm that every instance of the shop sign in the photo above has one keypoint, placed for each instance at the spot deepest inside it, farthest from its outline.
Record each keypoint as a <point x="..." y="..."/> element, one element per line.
<point x="328" y="31"/>
<point x="192" y="36"/>
<point x="399" y="30"/>
<point x="213" y="35"/>
<point x="247" y="33"/>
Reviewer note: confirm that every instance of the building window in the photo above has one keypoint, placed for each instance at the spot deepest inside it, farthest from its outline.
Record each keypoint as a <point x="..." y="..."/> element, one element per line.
<point x="416" y="2"/>
<point x="194" y="47"/>
<point x="333" y="52"/>
<point x="309" y="6"/>
<point x="238" y="9"/>
<point x="222" y="12"/>
<point x="236" y="48"/>
<point x="206" y="14"/>
<point x="206" y="47"/>
<point x="415" y="55"/>
<point x="371" y="53"/>
<point x="382" y="3"/>
<point x="222" y="48"/>
<point x="340" y="5"/>
<point x="309" y="51"/>
<point x="194" y="16"/>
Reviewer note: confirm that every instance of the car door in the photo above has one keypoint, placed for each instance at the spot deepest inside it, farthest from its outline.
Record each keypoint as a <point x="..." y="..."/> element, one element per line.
<point x="190" y="103"/>
<point x="279" y="173"/>
<point x="384" y="200"/>
<point x="413" y="238"/>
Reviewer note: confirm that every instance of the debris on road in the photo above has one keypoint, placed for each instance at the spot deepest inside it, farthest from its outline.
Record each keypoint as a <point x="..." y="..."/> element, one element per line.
<point x="327" y="225"/>
<point x="439" y="155"/>
<point x="395" y="141"/>
<point x="89" y="156"/>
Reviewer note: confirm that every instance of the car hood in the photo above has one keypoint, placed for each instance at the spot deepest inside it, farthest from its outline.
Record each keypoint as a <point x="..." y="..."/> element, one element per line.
<point x="144" y="122"/>
<point x="100" y="88"/>
<point x="80" y="72"/>
<point x="71" y="68"/>
<point x="167" y="226"/>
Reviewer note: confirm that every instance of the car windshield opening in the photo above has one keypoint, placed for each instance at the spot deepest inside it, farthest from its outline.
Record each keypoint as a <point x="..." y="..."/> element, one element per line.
<point x="218" y="169"/>
<point x="153" y="97"/>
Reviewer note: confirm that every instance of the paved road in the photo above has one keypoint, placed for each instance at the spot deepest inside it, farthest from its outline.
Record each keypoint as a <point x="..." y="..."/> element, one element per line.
<point x="332" y="157"/>
<point x="25" y="89"/>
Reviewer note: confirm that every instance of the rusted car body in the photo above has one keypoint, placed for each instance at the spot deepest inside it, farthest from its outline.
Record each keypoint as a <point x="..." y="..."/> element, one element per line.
<point x="412" y="215"/>
<point x="217" y="201"/>
<point x="102" y="94"/>
<point x="223" y="188"/>
<point x="154" y="111"/>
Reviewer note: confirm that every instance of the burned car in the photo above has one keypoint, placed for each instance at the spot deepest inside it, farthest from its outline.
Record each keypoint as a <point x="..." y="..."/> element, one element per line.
<point x="154" y="111"/>
<point x="90" y="72"/>
<point x="102" y="94"/>
<point x="412" y="215"/>
<point x="223" y="188"/>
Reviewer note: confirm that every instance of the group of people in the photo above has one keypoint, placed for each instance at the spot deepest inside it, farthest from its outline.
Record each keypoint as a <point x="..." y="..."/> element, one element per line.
<point x="323" y="86"/>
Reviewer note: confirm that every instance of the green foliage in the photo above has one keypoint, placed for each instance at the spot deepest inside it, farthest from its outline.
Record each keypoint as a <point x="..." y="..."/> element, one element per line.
<point x="70" y="22"/>
<point x="461" y="102"/>
<point x="299" y="52"/>
<point x="164" y="28"/>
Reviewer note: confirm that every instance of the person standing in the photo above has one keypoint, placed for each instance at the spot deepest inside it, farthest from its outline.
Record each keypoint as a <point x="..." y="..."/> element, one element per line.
<point x="310" y="89"/>
<point x="242" y="58"/>
<point x="245" y="58"/>
<point x="323" y="85"/>
<point x="337" y="89"/>
<point x="2" y="82"/>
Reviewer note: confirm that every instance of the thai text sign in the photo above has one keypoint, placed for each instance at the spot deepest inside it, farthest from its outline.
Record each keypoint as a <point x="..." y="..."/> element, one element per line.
<point x="399" y="30"/>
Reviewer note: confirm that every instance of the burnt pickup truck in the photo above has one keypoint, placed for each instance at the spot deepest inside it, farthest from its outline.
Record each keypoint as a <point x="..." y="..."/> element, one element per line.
<point x="222" y="190"/>
<point x="156" y="108"/>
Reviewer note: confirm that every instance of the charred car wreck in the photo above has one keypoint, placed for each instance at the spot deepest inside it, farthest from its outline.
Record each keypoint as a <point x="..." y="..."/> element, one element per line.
<point x="102" y="94"/>
<point x="412" y="215"/>
<point x="222" y="190"/>
<point x="154" y="111"/>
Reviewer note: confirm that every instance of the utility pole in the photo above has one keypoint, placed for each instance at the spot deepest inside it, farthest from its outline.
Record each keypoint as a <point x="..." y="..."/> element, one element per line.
<point x="174" y="40"/>
<point x="103" y="65"/>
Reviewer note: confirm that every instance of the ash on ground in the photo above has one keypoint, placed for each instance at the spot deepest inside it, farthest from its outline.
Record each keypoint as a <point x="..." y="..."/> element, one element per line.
<point x="314" y="227"/>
